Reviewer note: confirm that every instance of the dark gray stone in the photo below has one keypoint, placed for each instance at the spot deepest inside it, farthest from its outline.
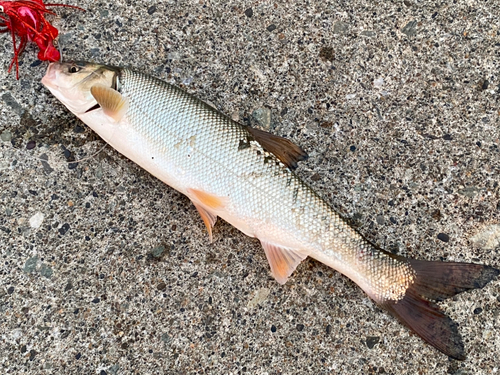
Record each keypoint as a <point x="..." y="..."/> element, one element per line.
<point x="340" y="27"/>
<point x="30" y="265"/>
<point x="46" y="271"/>
<point x="45" y="164"/>
<point x="263" y="117"/>
<point x="410" y="28"/>
<point x="470" y="191"/>
<point x="165" y="338"/>
<point x="371" y="341"/>
<point x="369" y="33"/>
<point x="6" y="136"/>
<point x="12" y="103"/>
<point x="158" y="251"/>
<point x="113" y="370"/>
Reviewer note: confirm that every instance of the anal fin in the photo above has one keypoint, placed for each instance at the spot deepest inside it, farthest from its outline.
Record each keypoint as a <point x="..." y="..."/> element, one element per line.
<point x="208" y="218"/>
<point x="206" y="199"/>
<point x="208" y="205"/>
<point x="283" y="261"/>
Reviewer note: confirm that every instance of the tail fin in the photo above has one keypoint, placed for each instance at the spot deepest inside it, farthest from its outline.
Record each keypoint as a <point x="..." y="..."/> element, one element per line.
<point x="436" y="281"/>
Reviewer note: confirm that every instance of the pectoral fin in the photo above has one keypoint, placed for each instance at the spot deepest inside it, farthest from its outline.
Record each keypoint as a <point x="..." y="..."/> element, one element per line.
<point x="208" y="218"/>
<point x="111" y="101"/>
<point x="283" y="261"/>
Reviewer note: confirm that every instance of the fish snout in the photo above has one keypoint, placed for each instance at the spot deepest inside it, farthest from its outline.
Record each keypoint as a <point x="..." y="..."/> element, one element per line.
<point x="51" y="74"/>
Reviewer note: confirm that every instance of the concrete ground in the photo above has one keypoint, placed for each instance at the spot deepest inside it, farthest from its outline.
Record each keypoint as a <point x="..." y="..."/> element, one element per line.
<point x="105" y="270"/>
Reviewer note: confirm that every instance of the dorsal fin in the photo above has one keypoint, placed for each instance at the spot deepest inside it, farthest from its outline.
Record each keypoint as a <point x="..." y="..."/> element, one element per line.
<point x="284" y="149"/>
<point x="283" y="261"/>
<point x="111" y="101"/>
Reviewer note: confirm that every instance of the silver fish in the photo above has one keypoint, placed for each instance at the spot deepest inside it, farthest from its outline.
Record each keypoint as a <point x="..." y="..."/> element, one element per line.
<point x="245" y="176"/>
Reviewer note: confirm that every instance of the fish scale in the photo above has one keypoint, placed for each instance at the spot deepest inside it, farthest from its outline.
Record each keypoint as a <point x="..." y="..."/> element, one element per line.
<point x="187" y="132"/>
<point x="242" y="175"/>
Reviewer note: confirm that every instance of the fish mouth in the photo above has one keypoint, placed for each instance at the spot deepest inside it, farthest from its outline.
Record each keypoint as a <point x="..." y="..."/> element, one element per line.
<point x="50" y="76"/>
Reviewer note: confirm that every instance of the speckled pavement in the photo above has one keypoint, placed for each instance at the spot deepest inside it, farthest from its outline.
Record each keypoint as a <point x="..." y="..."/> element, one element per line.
<point x="105" y="270"/>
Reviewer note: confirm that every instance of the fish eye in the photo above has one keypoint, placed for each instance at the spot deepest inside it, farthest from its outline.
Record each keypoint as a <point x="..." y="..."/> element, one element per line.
<point x="74" y="69"/>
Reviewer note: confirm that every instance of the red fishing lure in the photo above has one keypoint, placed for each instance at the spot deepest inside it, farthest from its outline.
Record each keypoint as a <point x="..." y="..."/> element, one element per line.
<point x="25" y="19"/>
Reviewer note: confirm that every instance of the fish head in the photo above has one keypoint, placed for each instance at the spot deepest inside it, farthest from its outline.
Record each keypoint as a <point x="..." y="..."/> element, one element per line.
<point x="71" y="82"/>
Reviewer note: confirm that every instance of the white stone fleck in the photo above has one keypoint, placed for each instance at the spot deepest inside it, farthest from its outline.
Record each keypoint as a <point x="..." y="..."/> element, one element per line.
<point x="379" y="82"/>
<point x="17" y="333"/>
<point x="350" y="96"/>
<point x="36" y="220"/>
<point x="259" y="73"/>
<point x="260" y="296"/>
<point x="488" y="238"/>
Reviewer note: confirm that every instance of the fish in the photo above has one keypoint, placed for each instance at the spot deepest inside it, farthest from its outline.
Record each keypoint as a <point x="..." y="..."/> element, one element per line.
<point x="246" y="177"/>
